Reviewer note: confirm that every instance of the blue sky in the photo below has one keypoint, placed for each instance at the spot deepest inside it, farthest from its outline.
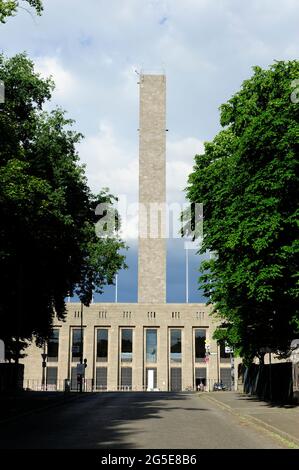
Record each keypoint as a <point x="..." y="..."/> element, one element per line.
<point x="205" y="47"/>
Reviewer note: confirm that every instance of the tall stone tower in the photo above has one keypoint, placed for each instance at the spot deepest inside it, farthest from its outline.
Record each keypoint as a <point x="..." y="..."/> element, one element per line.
<point x="152" y="190"/>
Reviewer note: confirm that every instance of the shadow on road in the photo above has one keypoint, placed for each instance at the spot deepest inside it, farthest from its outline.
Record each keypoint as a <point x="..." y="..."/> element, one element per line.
<point x="271" y="404"/>
<point x="95" y="421"/>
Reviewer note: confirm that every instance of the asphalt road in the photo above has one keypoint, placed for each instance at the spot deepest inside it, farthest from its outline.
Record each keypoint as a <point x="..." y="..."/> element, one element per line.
<point x="132" y="420"/>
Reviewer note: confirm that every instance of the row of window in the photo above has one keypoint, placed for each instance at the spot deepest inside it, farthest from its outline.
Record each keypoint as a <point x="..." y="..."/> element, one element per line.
<point x="126" y="346"/>
<point x="150" y="377"/>
<point x="125" y="379"/>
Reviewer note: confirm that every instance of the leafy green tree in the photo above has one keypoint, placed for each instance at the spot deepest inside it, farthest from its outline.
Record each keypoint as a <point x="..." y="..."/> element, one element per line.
<point x="247" y="180"/>
<point x="48" y="244"/>
<point x="10" y="7"/>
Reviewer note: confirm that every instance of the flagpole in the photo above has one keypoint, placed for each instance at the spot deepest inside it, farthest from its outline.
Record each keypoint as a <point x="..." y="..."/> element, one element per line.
<point x="187" y="275"/>
<point x="116" y="288"/>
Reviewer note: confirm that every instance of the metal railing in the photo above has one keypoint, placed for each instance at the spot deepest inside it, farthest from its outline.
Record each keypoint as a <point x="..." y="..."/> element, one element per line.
<point x="36" y="385"/>
<point x="90" y="385"/>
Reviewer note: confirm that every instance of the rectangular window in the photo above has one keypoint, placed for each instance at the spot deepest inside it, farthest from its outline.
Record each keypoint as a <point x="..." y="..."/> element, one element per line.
<point x="53" y="346"/>
<point x="151" y="345"/>
<point x="175" y="379"/>
<point x="126" y="378"/>
<point x="175" y="345"/>
<point x="76" y="344"/>
<point x="101" y="378"/>
<point x="102" y="345"/>
<point x="74" y="381"/>
<point x="200" y="345"/>
<point x="225" y="377"/>
<point x="126" y="345"/>
<point x="52" y="377"/>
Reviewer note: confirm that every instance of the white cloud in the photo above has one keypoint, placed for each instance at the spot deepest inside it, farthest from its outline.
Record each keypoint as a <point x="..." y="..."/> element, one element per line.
<point x="180" y="160"/>
<point x="206" y="48"/>
<point x="110" y="162"/>
<point x="129" y="227"/>
<point x="66" y="84"/>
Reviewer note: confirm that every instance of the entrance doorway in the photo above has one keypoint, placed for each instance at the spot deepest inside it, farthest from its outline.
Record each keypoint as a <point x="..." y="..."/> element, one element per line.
<point x="200" y="381"/>
<point x="200" y="377"/>
<point x="151" y="379"/>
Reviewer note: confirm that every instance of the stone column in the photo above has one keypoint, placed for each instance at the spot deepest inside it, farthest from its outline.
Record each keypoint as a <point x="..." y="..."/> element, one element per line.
<point x="152" y="190"/>
<point x="212" y="365"/>
<point x="88" y="353"/>
<point x="162" y="363"/>
<point x="137" y="382"/>
<point x="64" y="347"/>
<point x="187" y="361"/>
<point x="113" y="358"/>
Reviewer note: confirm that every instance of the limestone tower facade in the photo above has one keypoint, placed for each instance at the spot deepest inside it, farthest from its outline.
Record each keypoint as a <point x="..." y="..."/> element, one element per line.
<point x="152" y="190"/>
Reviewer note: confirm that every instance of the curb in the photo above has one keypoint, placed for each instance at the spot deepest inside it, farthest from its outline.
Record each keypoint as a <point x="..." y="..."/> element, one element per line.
<point x="288" y="439"/>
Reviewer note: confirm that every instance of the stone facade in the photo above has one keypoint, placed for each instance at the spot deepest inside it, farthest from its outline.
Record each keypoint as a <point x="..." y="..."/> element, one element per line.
<point x="139" y="317"/>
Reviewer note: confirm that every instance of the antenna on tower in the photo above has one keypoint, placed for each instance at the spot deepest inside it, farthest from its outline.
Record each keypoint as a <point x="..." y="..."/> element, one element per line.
<point x="139" y="75"/>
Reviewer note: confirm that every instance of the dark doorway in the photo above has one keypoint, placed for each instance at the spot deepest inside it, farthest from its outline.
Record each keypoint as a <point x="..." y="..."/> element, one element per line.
<point x="200" y="377"/>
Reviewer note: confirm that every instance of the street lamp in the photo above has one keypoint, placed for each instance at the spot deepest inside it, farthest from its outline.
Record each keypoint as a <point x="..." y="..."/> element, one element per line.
<point x="81" y="350"/>
<point x="229" y="350"/>
<point x="232" y="369"/>
<point x="44" y="366"/>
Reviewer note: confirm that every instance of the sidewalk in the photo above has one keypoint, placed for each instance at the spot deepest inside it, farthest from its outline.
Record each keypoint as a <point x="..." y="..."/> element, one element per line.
<point x="282" y="420"/>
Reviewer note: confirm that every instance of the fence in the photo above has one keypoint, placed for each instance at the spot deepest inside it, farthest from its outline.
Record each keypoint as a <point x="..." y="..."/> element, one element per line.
<point x="90" y="385"/>
<point x="37" y="386"/>
<point x="270" y="381"/>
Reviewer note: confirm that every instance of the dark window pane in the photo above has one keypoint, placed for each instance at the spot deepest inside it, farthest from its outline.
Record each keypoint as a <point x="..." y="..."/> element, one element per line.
<point x="126" y="377"/>
<point x="225" y="377"/>
<point x="53" y="346"/>
<point x="101" y="378"/>
<point x="74" y="381"/>
<point x="126" y="345"/>
<point x="151" y="345"/>
<point x="200" y="372"/>
<point x="52" y="376"/>
<point x="176" y="345"/>
<point x="76" y="344"/>
<point x="175" y="379"/>
<point x="200" y="345"/>
<point x="102" y="345"/>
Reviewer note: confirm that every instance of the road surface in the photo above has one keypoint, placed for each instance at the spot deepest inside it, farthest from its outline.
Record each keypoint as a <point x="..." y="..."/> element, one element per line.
<point x="133" y="420"/>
